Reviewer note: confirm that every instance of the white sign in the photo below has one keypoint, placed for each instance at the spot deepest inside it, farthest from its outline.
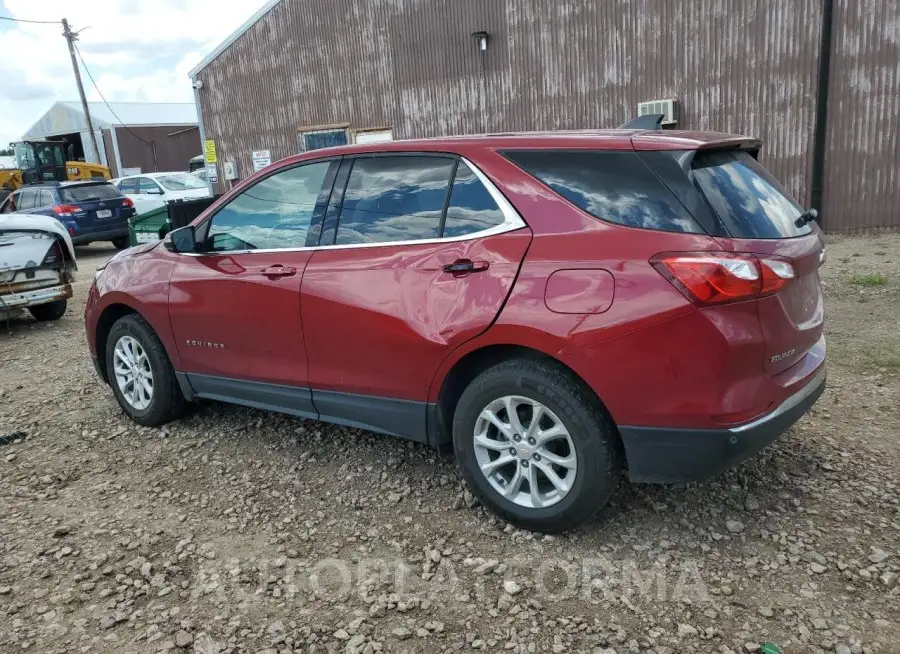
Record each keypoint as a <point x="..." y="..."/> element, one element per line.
<point x="261" y="159"/>
<point x="146" y="237"/>
<point x="212" y="173"/>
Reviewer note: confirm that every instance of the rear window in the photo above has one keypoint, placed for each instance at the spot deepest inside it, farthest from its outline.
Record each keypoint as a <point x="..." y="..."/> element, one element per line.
<point x="613" y="186"/>
<point x="747" y="198"/>
<point x="182" y="182"/>
<point x="89" y="192"/>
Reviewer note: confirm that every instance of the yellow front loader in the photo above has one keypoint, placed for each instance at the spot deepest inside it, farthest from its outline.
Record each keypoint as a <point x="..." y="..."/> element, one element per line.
<point x="45" y="161"/>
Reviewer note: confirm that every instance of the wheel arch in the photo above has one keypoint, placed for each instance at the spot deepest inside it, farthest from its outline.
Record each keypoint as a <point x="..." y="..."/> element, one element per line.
<point x="473" y="363"/>
<point x="106" y="320"/>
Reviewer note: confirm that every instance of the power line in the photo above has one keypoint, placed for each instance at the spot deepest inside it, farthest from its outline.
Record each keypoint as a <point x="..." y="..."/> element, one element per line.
<point x="37" y="22"/>
<point x="97" y="88"/>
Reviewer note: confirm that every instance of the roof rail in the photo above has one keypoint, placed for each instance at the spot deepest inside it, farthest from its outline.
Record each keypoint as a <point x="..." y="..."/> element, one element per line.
<point x="647" y="121"/>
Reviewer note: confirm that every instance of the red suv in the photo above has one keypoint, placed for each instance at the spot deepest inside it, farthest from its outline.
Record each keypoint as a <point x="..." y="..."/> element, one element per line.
<point x="557" y="306"/>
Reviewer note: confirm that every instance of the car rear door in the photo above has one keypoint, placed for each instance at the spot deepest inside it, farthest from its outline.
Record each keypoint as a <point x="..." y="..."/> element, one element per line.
<point x="234" y="305"/>
<point x="760" y="217"/>
<point x="418" y="255"/>
<point x="147" y="195"/>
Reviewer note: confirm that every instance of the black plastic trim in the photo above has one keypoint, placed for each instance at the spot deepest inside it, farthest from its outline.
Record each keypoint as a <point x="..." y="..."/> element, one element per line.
<point x="403" y="418"/>
<point x="294" y="400"/>
<point x="658" y="455"/>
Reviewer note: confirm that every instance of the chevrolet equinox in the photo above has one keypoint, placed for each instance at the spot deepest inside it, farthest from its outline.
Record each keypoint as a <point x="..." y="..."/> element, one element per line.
<point x="558" y="307"/>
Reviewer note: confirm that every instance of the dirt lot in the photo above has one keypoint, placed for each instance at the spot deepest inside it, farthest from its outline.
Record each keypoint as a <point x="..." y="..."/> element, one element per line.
<point x="239" y="531"/>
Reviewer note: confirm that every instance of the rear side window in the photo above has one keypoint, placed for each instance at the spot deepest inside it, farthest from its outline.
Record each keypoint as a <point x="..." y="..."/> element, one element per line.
<point x="45" y="199"/>
<point x="747" y="198"/>
<point x="613" y="186"/>
<point x="89" y="192"/>
<point x="394" y="198"/>
<point x="128" y="185"/>
<point x="471" y="208"/>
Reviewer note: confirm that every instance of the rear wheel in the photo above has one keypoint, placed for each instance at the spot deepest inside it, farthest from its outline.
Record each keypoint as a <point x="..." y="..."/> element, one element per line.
<point x="140" y="373"/>
<point x="535" y="446"/>
<point x="121" y="243"/>
<point x="50" y="311"/>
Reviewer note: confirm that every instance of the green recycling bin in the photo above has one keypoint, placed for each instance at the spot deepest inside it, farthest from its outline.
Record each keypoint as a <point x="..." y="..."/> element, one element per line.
<point x="149" y="226"/>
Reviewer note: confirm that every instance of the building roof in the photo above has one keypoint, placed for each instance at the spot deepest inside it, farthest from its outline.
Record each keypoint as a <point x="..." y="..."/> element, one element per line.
<point x="68" y="117"/>
<point x="219" y="49"/>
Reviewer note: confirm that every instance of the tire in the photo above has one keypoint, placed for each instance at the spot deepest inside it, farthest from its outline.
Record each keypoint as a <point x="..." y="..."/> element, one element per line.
<point x="121" y="243"/>
<point x="596" y="446"/>
<point x="166" y="402"/>
<point x="50" y="311"/>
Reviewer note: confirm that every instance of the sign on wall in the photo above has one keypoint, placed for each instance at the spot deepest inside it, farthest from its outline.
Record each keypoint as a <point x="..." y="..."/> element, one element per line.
<point x="261" y="159"/>
<point x="209" y="151"/>
<point x="212" y="173"/>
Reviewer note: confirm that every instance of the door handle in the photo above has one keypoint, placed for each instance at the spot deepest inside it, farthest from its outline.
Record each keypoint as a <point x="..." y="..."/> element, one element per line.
<point x="279" y="271"/>
<point x="462" y="267"/>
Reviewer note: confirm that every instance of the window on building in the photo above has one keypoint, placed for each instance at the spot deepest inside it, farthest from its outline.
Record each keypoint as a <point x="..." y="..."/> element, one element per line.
<point x="323" y="138"/>
<point x="471" y="208"/>
<point x="613" y="186"/>
<point x="274" y="213"/>
<point x="394" y="198"/>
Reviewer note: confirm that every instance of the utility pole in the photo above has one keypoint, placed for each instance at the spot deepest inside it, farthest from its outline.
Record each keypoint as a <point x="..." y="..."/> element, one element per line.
<point x="70" y="39"/>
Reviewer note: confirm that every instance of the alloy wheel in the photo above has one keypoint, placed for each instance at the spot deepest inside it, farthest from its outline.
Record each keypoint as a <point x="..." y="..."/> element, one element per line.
<point x="525" y="451"/>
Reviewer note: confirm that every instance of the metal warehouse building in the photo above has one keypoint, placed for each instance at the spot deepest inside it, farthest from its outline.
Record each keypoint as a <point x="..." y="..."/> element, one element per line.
<point x="309" y="73"/>
<point x="131" y="136"/>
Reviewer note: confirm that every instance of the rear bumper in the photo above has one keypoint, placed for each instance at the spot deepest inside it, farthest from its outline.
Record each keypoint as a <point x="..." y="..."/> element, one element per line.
<point x="104" y="235"/>
<point x="33" y="298"/>
<point x="661" y="455"/>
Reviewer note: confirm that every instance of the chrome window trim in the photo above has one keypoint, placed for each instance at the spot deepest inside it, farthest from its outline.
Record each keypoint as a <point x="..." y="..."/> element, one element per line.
<point x="511" y="222"/>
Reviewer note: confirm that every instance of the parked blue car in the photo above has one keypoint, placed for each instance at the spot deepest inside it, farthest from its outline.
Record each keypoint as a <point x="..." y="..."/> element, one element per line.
<point x="89" y="210"/>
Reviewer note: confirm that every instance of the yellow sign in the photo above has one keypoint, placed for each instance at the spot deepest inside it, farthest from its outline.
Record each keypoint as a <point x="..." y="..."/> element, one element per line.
<point x="210" y="152"/>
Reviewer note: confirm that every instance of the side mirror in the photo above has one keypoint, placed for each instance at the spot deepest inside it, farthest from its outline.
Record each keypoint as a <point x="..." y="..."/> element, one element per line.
<point x="181" y="240"/>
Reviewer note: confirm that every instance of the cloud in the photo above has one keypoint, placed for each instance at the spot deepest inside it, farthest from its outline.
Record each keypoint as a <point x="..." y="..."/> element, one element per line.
<point x="136" y="51"/>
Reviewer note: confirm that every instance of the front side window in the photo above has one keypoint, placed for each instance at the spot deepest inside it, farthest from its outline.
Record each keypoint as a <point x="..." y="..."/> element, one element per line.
<point x="148" y="186"/>
<point x="274" y="213"/>
<point x="25" y="200"/>
<point x="181" y="182"/>
<point x="614" y="186"/>
<point x="471" y="208"/>
<point x="394" y="198"/>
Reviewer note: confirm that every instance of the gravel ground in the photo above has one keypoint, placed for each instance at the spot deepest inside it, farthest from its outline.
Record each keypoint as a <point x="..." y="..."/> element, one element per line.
<point x="235" y="530"/>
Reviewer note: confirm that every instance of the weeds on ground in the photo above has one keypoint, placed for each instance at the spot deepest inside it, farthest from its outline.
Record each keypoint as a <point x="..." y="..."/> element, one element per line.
<point x="869" y="280"/>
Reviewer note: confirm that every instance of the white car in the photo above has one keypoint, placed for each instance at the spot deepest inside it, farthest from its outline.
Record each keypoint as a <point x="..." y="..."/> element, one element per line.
<point x="152" y="190"/>
<point x="37" y="266"/>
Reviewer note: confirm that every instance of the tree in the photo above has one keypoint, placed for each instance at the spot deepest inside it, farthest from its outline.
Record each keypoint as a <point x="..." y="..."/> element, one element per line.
<point x="6" y="152"/>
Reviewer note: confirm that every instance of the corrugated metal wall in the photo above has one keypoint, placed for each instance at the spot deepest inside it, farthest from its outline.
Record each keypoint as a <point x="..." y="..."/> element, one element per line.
<point x="862" y="162"/>
<point x="175" y="145"/>
<point x="734" y="66"/>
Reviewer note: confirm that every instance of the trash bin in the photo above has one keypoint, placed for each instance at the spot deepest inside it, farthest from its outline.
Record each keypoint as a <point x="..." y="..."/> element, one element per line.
<point x="149" y="226"/>
<point x="183" y="212"/>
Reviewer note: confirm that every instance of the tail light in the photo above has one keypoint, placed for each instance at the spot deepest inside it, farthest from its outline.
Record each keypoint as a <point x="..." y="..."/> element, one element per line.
<point x="55" y="255"/>
<point x="720" y="277"/>
<point x="67" y="210"/>
<point x="127" y="202"/>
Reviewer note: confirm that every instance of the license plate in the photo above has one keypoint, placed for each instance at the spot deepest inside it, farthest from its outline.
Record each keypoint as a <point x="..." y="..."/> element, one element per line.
<point x="104" y="213"/>
<point x="146" y="237"/>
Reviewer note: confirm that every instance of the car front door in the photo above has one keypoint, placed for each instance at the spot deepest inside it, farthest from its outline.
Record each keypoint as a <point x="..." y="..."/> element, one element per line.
<point x="148" y="195"/>
<point x="235" y="304"/>
<point x="417" y="256"/>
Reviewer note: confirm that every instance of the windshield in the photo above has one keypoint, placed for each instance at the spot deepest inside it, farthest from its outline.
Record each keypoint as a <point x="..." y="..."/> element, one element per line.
<point x="88" y="192"/>
<point x="747" y="198"/>
<point x="181" y="182"/>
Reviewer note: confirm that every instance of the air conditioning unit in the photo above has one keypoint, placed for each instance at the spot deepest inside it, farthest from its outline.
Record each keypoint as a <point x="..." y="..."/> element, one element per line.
<point x="668" y="108"/>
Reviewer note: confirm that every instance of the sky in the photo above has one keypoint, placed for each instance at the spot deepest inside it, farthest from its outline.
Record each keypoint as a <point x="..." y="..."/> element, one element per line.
<point x="137" y="51"/>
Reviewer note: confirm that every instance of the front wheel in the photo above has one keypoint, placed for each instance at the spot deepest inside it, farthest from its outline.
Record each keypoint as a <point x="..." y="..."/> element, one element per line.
<point x="535" y="446"/>
<point x="49" y="311"/>
<point x="140" y="373"/>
